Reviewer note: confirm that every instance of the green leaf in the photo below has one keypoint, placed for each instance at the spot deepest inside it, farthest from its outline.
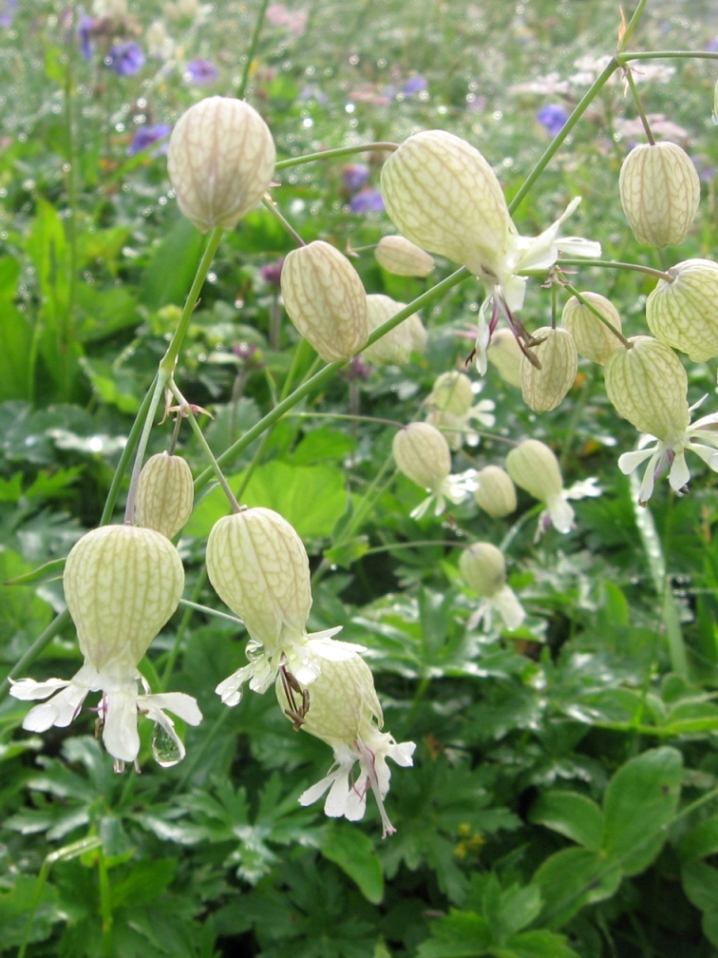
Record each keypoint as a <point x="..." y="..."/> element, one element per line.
<point x="114" y="387"/>
<point x="106" y="312"/>
<point x="311" y="498"/>
<point x="700" y="883"/>
<point x="15" y="353"/>
<point x="354" y="853"/>
<point x="509" y="911"/>
<point x="571" y="814"/>
<point x="460" y="934"/>
<point x="571" y="879"/>
<point x="540" y="944"/>
<point x="346" y="554"/>
<point x="640" y="801"/>
<point x="146" y="882"/>
<point x="700" y="841"/>
<point x="15" y="905"/>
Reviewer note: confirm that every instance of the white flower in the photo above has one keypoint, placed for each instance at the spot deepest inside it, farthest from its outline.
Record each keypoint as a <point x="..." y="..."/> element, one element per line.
<point x="506" y="603"/>
<point x="507" y="288"/>
<point x="118" y="710"/>
<point x="455" y="488"/>
<point x="302" y="657"/>
<point x="671" y="454"/>
<point x="347" y="798"/>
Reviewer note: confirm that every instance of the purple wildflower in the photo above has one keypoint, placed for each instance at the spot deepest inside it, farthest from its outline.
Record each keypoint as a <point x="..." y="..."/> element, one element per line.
<point x="313" y="92"/>
<point x="125" y="59"/>
<point x="84" y="35"/>
<point x="712" y="45"/>
<point x="367" y="201"/>
<point x="552" y="118"/>
<point x="414" y="85"/>
<point x="354" y="177"/>
<point x="146" y="136"/>
<point x="7" y="12"/>
<point x="272" y="272"/>
<point x="201" y="72"/>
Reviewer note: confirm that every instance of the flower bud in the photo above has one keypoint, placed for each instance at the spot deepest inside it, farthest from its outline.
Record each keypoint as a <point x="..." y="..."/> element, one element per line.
<point x="422" y="454"/>
<point x="259" y="567"/>
<point x="442" y="195"/>
<point x="684" y="314"/>
<point x="452" y="393"/>
<point x="402" y="257"/>
<point x="340" y="698"/>
<point x="544" y="389"/>
<point x="496" y="493"/>
<point x="535" y="468"/>
<point x="660" y="191"/>
<point x="483" y="567"/>
<point x="647" y="385"/>
<point x="593" y="340"/>
<point x="165" y="494"/>
<point x="325" y="299"/>
<point x="505" y="353"/>
<point x="394" y="346"/>
<point x="220" y="161"/>
<point x="122" y="584"/>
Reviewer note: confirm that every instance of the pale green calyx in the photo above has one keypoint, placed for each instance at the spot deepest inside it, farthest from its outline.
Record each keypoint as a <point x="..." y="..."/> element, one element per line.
<point x="660" y="192"/>
<point x="544" y="387"/>
<point x="401" y="257"/>
<point x="593" y="339"/>
<point x="165" y="494"/>
<point x="647" y="385"/>
<point x="220" y="161"/>
<point x="325" y="299"/>
<point x="505" y="354"/>
<point x="495" y="492"/>
<point x="394" y="347"/>
<point x="483" y="567"/>
<point x="683" y="314"/>
<point x="533" y="466"/>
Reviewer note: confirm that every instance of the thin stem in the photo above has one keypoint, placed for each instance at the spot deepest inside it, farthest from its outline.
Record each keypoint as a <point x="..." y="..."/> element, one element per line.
<point x="339" y="151"/>
<point x="71" y="192"/>
<point x="269" y="204"/>
<point x="173" y="350"/>
<point x="242" y="88"/>
<point x="607" y="323"/>
<point x="615" y="264"/>
<point x="186" y="409"/>
<point x="130" y="446"/>
<point x="666" y="55"/>
<point x="160" y="382"/>
<point x="639" y="106"/>
<point x="420" y="543"/>
<point x="208" y="610"/>
<point x="198" y="753"/>
<point x="105" y="905"/>
<point x="183" y="626"/>
<point x="345" y="416"/>
<point x="320" y="379"/>
<point x="558" y="140"/>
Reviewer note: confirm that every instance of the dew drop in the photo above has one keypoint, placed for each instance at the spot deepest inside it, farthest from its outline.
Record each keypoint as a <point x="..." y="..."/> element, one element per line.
<point x="164" y="748"/>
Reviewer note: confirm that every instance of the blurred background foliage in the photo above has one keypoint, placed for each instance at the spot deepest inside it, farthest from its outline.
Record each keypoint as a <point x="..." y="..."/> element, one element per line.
<point x="563" y="800"/>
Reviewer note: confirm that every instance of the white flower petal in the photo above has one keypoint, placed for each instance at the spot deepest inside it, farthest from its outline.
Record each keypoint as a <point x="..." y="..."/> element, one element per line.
<point x="59" y="710"/>
<point x="679" y="474"/>
<point x="630" y="461"/>
<point x="561" y="513"/>
<point x="646" y="490"/>
<point x="316" y="791"/>
<point x="182" y="705"/>
<point x="28" y="690"/>
<point x="577" y="246"/>
<point x="514" y="290"/>
<point x="120" y="732"/>
<point x="509" y="607"/>
<point x="483" y="335"/>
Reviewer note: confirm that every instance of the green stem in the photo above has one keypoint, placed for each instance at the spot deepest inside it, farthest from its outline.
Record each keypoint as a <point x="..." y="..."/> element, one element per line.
<point x="67" y="321"/>
<point x="666" y="55"/>
<point x="557" y="142"/>
<point x="346" y="417"/>
<point x="208" y="610"/>
<point x="183" y="626"/>
<point x="420" y="543"/>
<point x="320" y="379"/>
<point x="639" y="106"/>
<point x="331" y="154"/>
<point x="269" y="204"/>
<point x="242" y="88"/>
<point x="173" y="350"/>
<point x="105" y="906"/>
<point x="184" y="405"/>
<point x="160" y="383"/>
<point x="615" y="264"/>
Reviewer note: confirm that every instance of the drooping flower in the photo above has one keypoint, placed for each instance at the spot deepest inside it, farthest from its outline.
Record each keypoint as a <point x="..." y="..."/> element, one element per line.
<point x="125" y="59"/>
<point x="121" y="584"/>
<point x="401" y="257"/>
<point x="147" y="136"/>
<point x="452" y="409"/>
<point x="423" y="455"/>
<point x="259" y="567"/>
<point x="394" y="347"/>
<point x="341" y="708"/>
<point x="484" y="569"/>
<point x="533" y="466"/>
<point x="495" y="492"/>
<point x="443" y="195"/>
<point x="165" y="494"/>
<point x="593" y="339"/>
<point x="670" y="454"/>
